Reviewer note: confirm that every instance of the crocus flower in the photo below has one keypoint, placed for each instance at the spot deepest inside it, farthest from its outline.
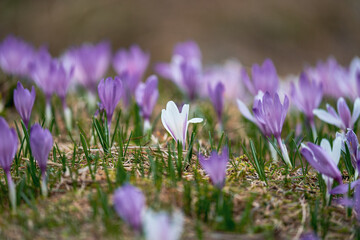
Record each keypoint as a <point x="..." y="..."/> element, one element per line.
<point x="15" y="56"/>
<point x="270" y="113"/>
<point x="91" y="63"/>
<point x="325" y="160"/>
<point x="264" y="78"/>
<point x="110" y="91"/>
<point x="131" y="66"/>
<point x="8" y="148"/>
<point x="217" y="98"/>
<point x="353" y="86"/>
<point x="129" y="203"/>
<point x="309" y="236"/>
<point x="352" y="143"/>
<point x="307" y="97"/>
<point x="162" y="226"/>
<point x="146" y="96"/>
<point x="24" y="102"/>
<point x="41" y="143"/>
<point x="343" y="119"/>
<point x="176" y="122"/>
<point x="185" y="69"/>
<point x="215" y="166"/>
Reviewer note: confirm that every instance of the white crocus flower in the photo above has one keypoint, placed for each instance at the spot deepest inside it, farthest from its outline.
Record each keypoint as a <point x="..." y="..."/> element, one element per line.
<point x="162" y="226"/>
<point x="175" y="122"/>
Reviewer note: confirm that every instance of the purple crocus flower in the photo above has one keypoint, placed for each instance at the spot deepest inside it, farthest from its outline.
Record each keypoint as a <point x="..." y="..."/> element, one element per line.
<point x="264" y="78"/>
<point x="110" y="91"/>
<point x="41" y="143"/>
<point x="217" y="98"/>
<point x="24" y="102"/>
<point x="323" y="161"/>
<point x="185" y="69"/>
<point x="131" y="66"/>
<point x="162" y="226"/>
<point x="309" y="236"/>
<point x="146" y="96"/>
<point x="307" y="97"/>
<point x="343" y="119"/>
<point x="91" y="63"/>
<point x="129" y="203"/>
<point x="270" y="113"/>
<point x="352" y="143"/>
<point x="15" y="56"/>
<point x="8" y="148"/>
<point x="215" y="166"/>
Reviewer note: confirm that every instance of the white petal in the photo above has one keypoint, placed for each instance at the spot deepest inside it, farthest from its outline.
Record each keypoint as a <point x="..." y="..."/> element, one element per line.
<point x="164" y="121"/>
<point x="325" y="144"/>
<point x="195" y="120"/>
<point x="356" y="111"/>
<point x="336" y="152"/>
<point x="245" y="111"/>
<point x="327" y="117"/>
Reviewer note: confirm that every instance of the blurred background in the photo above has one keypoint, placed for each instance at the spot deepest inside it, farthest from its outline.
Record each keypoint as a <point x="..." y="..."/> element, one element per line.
<point x="292" y="33"/>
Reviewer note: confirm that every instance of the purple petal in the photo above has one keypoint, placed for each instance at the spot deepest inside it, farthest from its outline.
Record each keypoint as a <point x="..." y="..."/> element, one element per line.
<point x="41" y="143"/>
<point x="8" y="145"/>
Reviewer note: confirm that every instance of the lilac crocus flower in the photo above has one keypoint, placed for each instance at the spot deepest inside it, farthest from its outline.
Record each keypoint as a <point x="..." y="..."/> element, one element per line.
<point x="91" y="63"/>
<point x="264" y="78"/>
<point x="176" y="122"/>
<point x="271" y="114"/>
<point x="131" y="66"/>
<point x="343" y="119"/>
<point x="217" y="98"/>
<point x="41" y="143"/>
<point x="185" y="69"/>
<point x="8" y="148"/>
<point x="162" y="226"/>
<point x="15" y="56"/>
<point x="215" y="166"/>
<point x="24" y="102"/>
<point x="325" y="160"/>
<point x="110" y="91"/>
<point x="129" y="203"/>
<point x="307" y="97"/>
<point x="146" y="96"/>
<point x="352" y="143"/>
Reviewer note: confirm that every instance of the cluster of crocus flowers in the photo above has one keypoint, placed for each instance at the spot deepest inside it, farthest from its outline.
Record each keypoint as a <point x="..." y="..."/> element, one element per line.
<point x="307" y="97"/>
<point x="325" y="160"/>
<point x="342" y="119"/>
<point x="146" y="96"/>
<point x="110" y="91"/>
<point x="185" y="69"/>
<point x="8" y="148"/>
<point x="176" y="122"/>
<point x="90" y="62"/>
<point x="215" y="166"/>
<point x="130" y="65"/>
<point x="15" y="56"/>
<point x="24" y="102"/>
<point x="264" y="78"/>
<point x="41" y="143"/>
<point x="270" y="114"/>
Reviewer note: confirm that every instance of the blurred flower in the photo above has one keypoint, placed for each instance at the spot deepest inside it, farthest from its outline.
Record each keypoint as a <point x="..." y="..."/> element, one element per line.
<point x="229" y="75"/>
<point x="146" y="96"/>
<point x="176" y="123"/>
<point x="15" y="56"/>
<point x="215" y="166"/>
<point x="161" y="226"/>
<point x="62" y="79"/>
<point x="8" y="148"/>
<point x="185" y="69"/>
<point x="344" y="119"/>
<point x="131" y="66"/>
<point x="309" y="236"/>
<point x="110" y="91"/>
<point x="333" y="77"/>
<point x="129" y="203"/>
<point x="271" y="114"/>
<point x="90" y="62"/>
<point x="324" y="159"/>
<point x="41" y="143"/>
<point x="264" y="78"/>
<point x="353" y="89"/>
<point x="217" y="98"/>
<point x="24" y="102"/>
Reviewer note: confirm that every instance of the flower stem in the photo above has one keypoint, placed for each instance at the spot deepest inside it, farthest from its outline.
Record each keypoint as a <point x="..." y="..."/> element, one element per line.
<point x="12" y="192"/>
<point x="147" y="125"/>
<point x="48" y="113"/>
<point x="313" y="129"/>
<point x="68" y="118"/>
<point x="284" y="151"/>
<point x="43" y="185"/>
<point x="273" y="152"/>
